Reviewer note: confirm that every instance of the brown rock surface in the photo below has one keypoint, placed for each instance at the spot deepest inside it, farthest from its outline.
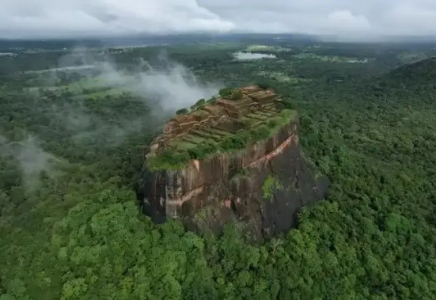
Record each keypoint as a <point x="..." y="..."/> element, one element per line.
<point x="262" y="187"/>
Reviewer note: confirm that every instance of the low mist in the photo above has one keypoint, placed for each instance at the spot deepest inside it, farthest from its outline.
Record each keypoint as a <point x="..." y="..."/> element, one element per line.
<point x="168" y="83"/>
<point x="149" y="93"/>
<point x="31" y="158"/>
<point x="163" y="86"/>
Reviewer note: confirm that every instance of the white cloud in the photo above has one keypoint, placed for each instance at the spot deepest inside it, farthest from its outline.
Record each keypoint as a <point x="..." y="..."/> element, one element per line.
<point x="412" y="19"/>
<point x="357" y="18"/>
<point x="29" y="18"/>
<point x="345" y="21"/>
<point x="69" y="18"/>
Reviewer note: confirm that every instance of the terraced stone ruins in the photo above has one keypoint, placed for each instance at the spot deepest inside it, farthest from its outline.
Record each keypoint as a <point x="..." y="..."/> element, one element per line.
<point x="232" y="159"/>
<point x="213" y="122"/>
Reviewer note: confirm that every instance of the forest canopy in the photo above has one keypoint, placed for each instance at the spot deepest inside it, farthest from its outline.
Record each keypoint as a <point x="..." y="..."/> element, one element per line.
<point x="71" y="154"/>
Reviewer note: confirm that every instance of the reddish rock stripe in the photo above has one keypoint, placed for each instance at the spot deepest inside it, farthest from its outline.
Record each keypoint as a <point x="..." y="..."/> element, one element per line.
<point x="277" y="151"/>
<point x="186" y="197"/>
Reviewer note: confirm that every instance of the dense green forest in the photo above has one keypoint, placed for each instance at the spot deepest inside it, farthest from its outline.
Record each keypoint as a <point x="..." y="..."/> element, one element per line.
<point x="71" y="149"/>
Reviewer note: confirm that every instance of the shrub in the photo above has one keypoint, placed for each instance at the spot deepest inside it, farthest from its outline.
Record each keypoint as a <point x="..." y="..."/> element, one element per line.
<point x="226" y="92"/>
<point x="211" y="100"/>
<point x="272" y="123"/>
<point x="270" y="184"/>
<point x="182" y="111"/>
<point x="236" y="95"/>
<point x="235" y="142"/>
<point x="231" y="94"/>
<point x="202" y="151"/>
<point x="260" y="133"/>
<point x="168" y="159"/>
<point x="263" y="86"/>
<point x="200" y="102"/>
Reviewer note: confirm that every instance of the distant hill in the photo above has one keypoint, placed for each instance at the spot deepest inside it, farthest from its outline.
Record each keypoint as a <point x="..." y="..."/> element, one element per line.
<point x="420" y="74"/>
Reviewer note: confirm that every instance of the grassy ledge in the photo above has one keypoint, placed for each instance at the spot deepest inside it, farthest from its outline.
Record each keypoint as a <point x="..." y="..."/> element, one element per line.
<point x="171" y="159"/>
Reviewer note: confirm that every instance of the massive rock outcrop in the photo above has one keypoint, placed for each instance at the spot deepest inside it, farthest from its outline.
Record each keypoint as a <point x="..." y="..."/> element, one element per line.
<point x="260" y="185"/>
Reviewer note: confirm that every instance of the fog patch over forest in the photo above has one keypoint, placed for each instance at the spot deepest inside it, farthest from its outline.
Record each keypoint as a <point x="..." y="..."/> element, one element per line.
<point x="150" y="91"/>
<point x="165" y="82"/>
<point x="161" y="80"/>
<point x="104" y="125"/>
<point x="31" y="159"/>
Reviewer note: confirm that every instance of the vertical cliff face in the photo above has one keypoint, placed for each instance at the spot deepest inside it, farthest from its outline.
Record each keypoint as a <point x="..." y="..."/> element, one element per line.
<point x="261" y="187"/>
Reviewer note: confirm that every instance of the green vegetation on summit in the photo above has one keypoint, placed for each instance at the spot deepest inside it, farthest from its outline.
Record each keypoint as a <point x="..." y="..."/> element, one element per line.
<point x="206" y="146"/>
<point x="219" y="127"/>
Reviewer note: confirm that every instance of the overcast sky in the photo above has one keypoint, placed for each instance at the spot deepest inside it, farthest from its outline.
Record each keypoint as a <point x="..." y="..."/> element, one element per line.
<point x="80" y="18"/>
